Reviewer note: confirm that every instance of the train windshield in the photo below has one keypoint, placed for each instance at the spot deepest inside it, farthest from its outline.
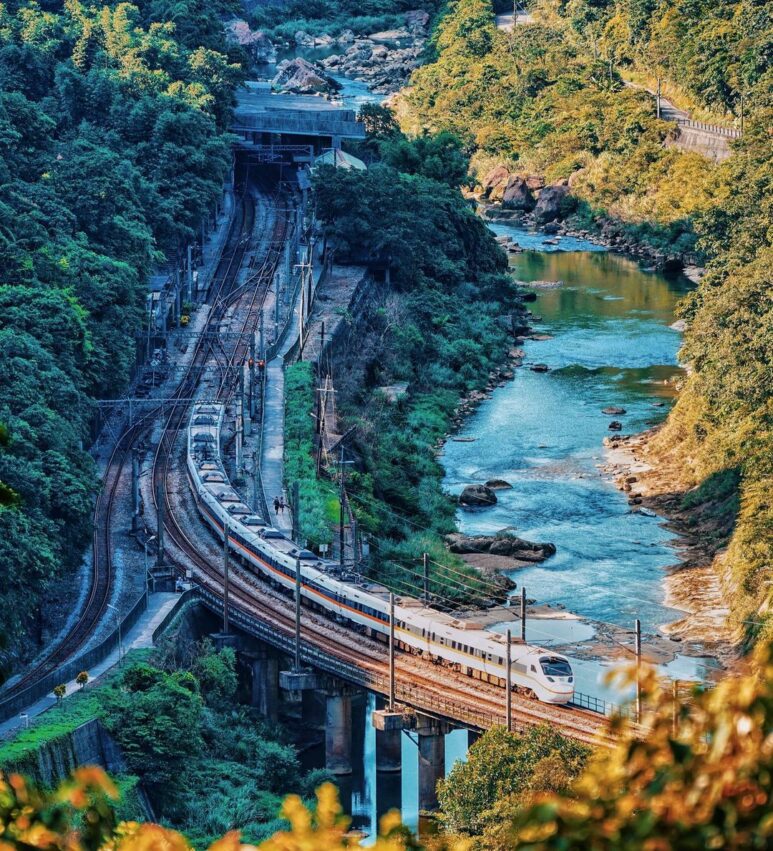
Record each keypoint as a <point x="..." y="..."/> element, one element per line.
<point x="554" y="666"/>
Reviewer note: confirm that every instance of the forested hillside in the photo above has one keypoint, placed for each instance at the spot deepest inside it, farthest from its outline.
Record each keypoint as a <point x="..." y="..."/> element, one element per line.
<point x="112" y="146"/>
<point x="549" y="98"/>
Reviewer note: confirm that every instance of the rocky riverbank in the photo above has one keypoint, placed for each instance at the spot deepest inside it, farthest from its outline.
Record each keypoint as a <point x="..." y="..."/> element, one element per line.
<point x="697" y="584"/>
<point x="383" y="60"/>
<point x="528" y="201"/>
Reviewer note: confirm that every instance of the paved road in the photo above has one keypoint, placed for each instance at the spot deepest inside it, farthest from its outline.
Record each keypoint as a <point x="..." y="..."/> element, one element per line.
<point x="141" y="635"/>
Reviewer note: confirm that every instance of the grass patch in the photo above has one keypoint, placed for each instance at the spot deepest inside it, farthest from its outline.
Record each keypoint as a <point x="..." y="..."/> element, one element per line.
<point x="315" y="508"/>
<point x="720" y="488"/>
<point x="62" y="719"/>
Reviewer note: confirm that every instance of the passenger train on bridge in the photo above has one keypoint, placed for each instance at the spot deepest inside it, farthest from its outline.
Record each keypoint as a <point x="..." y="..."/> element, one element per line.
<point x="418" y="628"/>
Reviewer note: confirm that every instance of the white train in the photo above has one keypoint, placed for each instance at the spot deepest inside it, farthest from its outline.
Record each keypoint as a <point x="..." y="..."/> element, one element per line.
<point x="418" y="629"/>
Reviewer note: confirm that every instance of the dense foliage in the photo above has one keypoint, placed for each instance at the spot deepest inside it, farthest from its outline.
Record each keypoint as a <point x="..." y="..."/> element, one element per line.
<point x="696" y="775"/>
<point x="80" y="815"/>
<point x="723" y="419"/>
<point x="435" y="334"/>
<point x="113" y="147"/>
<point x="714" y="54"/>
<point x="504" y="772"/>
<point x="208" y="763"/>
<point x="542" y="101"/>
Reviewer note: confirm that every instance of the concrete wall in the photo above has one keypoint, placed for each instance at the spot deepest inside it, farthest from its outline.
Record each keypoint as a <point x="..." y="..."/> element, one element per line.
<point x="708" y="144"/>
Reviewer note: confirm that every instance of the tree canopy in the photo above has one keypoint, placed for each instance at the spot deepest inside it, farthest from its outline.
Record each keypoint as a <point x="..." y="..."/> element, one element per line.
<point x="113" y="146"/>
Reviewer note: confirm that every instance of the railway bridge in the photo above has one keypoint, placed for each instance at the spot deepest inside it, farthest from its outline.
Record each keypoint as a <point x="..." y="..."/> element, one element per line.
<point x="321" y="669"/>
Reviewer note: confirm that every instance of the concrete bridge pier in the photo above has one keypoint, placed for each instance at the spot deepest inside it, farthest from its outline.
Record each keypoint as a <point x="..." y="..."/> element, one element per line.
<point x="314" y="709"/>
<point x="389" y="745"/>
<point x="432" y="758"/>
<point x="265" y="683"/>
<point x="338" y="731"/>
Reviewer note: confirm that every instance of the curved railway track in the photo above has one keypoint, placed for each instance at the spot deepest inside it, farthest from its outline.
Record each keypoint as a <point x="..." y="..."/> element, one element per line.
<point x="102" y="573"/>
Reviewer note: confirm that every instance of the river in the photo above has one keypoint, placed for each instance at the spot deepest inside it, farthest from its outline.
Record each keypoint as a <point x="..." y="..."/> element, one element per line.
<point x="609" y="343"/>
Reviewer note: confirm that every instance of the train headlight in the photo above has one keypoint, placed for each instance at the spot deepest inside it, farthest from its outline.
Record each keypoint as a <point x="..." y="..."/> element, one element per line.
<point x="571" y="679"/>
<point x="551" y="680"/>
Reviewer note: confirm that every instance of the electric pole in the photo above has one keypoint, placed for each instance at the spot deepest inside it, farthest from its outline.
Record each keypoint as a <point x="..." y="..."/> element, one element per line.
<point x="638" y="669"/>
<point x="508" y="684"/>
<point x="391" y="651"/>
<point x="226" y="578"/>
<point x="297" y="614"/>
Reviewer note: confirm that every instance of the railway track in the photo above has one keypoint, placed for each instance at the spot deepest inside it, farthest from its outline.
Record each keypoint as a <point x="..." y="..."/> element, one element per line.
<point x="102" y="572"/>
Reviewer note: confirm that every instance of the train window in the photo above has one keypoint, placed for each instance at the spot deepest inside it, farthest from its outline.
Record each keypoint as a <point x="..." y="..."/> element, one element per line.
<point x="533" y="669"/>
<point x="453" y="645"/>
<point x="554" y="666"/>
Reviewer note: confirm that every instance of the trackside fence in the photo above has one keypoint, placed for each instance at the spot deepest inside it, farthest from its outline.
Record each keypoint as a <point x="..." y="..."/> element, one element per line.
<point x="21" y="700"/>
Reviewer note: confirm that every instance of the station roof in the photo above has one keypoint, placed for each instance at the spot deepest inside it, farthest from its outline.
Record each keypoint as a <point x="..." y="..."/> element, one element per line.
<point x="260" y="109"/>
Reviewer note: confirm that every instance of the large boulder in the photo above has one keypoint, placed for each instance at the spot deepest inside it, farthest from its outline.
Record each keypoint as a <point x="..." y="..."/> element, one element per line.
<point x="503" y="544"/>
<point x="255" y="42"/>
<point x="518" y="548"/>
<point x="477" y="496"/>
<point x="298" y="76"/>
<point x="494" y="183"/>
<point x="551" y="203"/>
<point x="517" y="195"/>
<point x="417" y="20"/>
<point x="303" y="39"/>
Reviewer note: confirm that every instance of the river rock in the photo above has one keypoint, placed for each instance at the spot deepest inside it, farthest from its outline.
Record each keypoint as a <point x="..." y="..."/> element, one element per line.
<point x="494" y="183"/>
<point x="615" y="425"/>
<point x="503" y="544"/>
<point x="516" y="195"/>
<point x="303" y="39"/>
<point x="539" y="367"/>
<point x="550" y="229"/>
<point x="551" y="203"/>
<point x="346" y="37"/>
<point x="301" y="77"/>
<point x="498" y="484"/>
<point x="477" y="496"/>
<point x="417" y="20"/>
<point x="613" y="411"/>
<point x="255" y="42"/>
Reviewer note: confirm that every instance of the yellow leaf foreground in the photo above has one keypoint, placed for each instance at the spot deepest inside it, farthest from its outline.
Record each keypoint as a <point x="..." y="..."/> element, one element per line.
<point x="696" y="775"/>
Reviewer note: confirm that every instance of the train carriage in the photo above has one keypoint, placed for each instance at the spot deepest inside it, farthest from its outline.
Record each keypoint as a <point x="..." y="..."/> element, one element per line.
<point x="545" y="675"/>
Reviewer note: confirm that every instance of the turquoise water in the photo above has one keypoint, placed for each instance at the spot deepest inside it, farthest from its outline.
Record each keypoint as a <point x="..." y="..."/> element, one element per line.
<point x="610" y="345"/>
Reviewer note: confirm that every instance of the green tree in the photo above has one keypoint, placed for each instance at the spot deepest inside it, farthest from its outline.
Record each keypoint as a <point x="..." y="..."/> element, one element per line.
<point x="155" y="718"/>
<point x="216" y="672"/>
<point x="507" y="766"/>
